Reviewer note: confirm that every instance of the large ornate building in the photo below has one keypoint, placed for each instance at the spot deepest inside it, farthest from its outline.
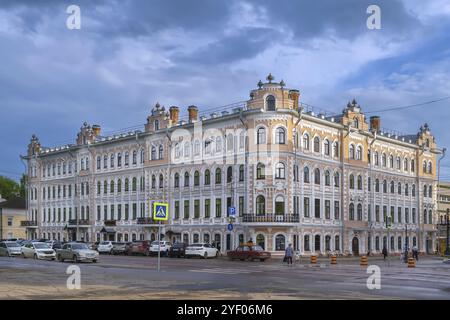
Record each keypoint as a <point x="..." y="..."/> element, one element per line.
<point x="322" y="183"/>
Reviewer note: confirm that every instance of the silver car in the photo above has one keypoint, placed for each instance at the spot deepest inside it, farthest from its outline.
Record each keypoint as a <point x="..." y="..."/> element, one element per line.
<point x="76" y="252"/>
<point x="10" y="249"/>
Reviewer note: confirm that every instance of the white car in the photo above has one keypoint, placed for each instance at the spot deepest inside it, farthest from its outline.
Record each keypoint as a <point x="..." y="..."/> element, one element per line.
<point x="164" y="247"/>
<point x="204" y="250"/>
<point x="38" y="250"/>
<point x="105" y="247"/>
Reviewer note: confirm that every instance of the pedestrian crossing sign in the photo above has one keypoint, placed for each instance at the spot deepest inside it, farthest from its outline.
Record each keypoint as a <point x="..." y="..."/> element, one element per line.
<point x="160" y="211"/>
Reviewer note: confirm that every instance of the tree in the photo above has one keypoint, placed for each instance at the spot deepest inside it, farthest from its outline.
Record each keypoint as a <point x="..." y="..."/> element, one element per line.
<point x="9" y="189"/>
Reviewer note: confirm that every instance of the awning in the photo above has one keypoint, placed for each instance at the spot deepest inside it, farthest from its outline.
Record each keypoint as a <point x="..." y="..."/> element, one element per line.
<point x="107" y="230"/>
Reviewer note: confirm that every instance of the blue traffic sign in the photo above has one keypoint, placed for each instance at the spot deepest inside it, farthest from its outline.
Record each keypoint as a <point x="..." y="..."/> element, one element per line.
<point x="160" y="211"/>
<point x="231" y="211"/>
<point x="230" y="227"/>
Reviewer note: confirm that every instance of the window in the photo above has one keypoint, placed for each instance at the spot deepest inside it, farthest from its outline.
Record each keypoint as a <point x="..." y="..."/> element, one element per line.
<point x="260" y="205"/>
<point x="317" y="242"/>
<point x="360" y="187"/>
<point x="352" y="181"/>
<point x="351" y="211"/>
<point x="186" y="209"/>
<point x="105" y="161"/>
<point x="327" y="209"/>
<point x="186" y="179"/>
<point x="317" y="208"/>
<point x="336" y="149"/>
<point x="260" y="171"/>
<point x="161" y="181"/>
<point x="306" y="141"/>
<point x="218" y="208"/>
<point x="156" y="125"/>
<point x="207" y="177"/>
<point x="196" y="208"/>
<point x="111" y="186"/>
<point x="359" y="153"/>
<point x="306" y="207"/>
<point x="134" y="157"/>
<point x="261" y="135"/>
<point x="207" y="208"/>
<point x="306" y="244"/>
<point x="359" y="212"/>
<point x="377" y="185"/>
<point x="270" y="103"/>
<point x="241" y="173"/>
<point x="127" y="158"/>
<point x="280" y="136"/>
<point x="336" y="210"/>
<point x="326" y="147"/>
<point x="153" y="153"/>
<point x="142" y="155"/>
<point x="280" y="243"/>
<point x="196" y="178"/>
<point x="327" y="178"/>
<point x="352" y="152"/>
<point x="229" y="174"/>
<point x="218" y="176"/>
<point x="98" y="164"/>
<point x="119" y="159"/>
<point x="280" y="171"/>
<point x="413" y="165"/>
<point x="392" y="187"/>
<point x="384" y="186"/>
<point x="176" y="181"/>
<point x="430" y="167"/>
<point x="391" y="161"/>
<point x="306" y="175"/>
<point x="336" y="180"/>
<point x="317" y="176"/>
<point x="399" y="163"/>
<point x="384" y="160"/>
<point x="316" y="144"/>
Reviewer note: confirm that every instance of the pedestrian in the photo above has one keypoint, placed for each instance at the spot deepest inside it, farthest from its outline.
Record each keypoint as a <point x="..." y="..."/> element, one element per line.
<point x="415" y="252"/>
<point x="288" y="254"/>
<point x="385" y="253"/>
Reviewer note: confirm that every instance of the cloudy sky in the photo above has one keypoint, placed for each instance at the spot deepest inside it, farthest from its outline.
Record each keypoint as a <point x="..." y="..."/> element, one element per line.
<point x="128" y="55"/>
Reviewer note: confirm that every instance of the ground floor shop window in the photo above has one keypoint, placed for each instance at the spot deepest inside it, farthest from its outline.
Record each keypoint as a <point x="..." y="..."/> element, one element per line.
<point x="280" y="243"/>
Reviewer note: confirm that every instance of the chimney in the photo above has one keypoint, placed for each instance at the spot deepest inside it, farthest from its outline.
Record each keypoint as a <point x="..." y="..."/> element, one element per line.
<point x="96" y="130"/>
<point x="294" y="95"/>
<point x="375" y="123"/>
<point x="193" y="114"/>
<point x="174" y="114"/>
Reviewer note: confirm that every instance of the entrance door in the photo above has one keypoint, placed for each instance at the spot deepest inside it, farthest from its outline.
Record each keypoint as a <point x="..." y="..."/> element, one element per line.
<point x="355" y="246"/>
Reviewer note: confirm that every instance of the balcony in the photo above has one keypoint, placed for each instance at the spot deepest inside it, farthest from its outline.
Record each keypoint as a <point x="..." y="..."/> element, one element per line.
<point x="271" y="218"/>
<point x="28" y="223"/>
<point x="79" y="222"/>
<point x="146" y="220"/>
<point x="110" y="223"/>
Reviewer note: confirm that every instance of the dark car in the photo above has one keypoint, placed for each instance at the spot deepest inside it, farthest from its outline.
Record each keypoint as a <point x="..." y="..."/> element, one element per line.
<point x="249" y="252"/>
<point x="139" y="247"/>
<point x="120" y="247"/>
<point x="178" y="250"/>
<point x="54" y="244"/>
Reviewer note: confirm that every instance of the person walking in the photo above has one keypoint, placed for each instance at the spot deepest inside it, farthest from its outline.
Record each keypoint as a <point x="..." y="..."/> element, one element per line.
<point x="288" y="254"/>
<point x="385" y="253"/>
<point x="415" y="252"/>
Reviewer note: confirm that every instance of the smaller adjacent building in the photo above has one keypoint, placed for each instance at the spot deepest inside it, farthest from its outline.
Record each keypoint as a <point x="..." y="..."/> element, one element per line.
<point x="443" y="206"/>
<point x="12" y="214"/>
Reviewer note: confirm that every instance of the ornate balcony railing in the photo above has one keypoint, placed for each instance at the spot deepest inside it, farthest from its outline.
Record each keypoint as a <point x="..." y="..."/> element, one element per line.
<point x="80" y="222"/>
<point x="146" y="220"/>
<point x="28" y="223"/>
<point x="269" y="217"/>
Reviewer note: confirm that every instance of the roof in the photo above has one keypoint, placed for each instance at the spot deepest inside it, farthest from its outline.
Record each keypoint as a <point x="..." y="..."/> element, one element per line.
<point x="16" y="203"/>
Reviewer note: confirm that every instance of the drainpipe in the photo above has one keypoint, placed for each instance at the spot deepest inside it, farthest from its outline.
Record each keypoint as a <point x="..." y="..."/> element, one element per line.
<point x="241" y="118"/>
<point x="300" y="116"/>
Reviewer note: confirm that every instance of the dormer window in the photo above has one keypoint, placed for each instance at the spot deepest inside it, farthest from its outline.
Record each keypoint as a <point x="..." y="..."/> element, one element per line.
<point x="270" y="103"/>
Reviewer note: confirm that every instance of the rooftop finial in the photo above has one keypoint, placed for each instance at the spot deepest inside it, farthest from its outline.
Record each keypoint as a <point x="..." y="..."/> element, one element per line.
<point x="260" y="84"/>
<point x="282" y="84"/>
<point x="270" y="78"/>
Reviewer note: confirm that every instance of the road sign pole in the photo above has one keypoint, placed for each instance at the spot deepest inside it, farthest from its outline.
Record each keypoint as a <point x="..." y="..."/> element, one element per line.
<point x="159" y="245"/>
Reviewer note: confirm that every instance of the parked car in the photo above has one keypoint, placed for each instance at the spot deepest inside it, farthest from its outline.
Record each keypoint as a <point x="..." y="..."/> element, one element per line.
<point x="76" y="252"/>
<point x="249" y="252"/>
<point x="10" y="248"/>
<point x="178" y="250"/>
<point x="105" y="247"/>
<point x="94" y="246"/>
<point x="138" y="247"/>
<point x="119" y="247"/>
<point x="163" y="247"/>
<point x="204" y="250"/>
<point x="54" y="244"/>
<point x="38" y="250"/>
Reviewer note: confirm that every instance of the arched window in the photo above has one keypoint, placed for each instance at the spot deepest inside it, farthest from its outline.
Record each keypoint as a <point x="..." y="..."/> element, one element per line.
<point x="280" y="136"/>
<point x="270" y="103"/>
<point x="153" y="181"/>
<point x="430" y="167"/>
<point x="160" y="151"/>
<point x="430" y="191"/>
<point x="356" y="123"/>
<point x="337" y="243"/>
<point x="405" y="165"/>
<point x="196" y="178"/>
<point x="336" y="149"/>
<point x="413" y="190"/>
<point x="119" y="186"/>
<point x="279" y="205"/>
<point x="111" y="186"/>
<point x="219" y="144"/>
<point x="306" y="141"/>
<point x="413" y="165"/>
<point x="352" y="181"/>
<point x="399" y="189"/>
<point x="280" y="171"/>
<point x="127" y="185"/>
<point x="99" y="160"/>
<point x="134" y="184"/>
<point x="352" y="152"/>
<point x="280" y="242"/>
<point x="306" y="244"/>
<point x="351" y="211"/>
<point x="260" y="241"/>
<point x="430" y="217"/>
<point x="359" y="212"/>
<point x="218" y="176"/>
<point x="156" y="125"/>
<point x="127" y="158"/>
<point x="187" y="149"/>
<point x="399" y="163"/>
<point x="153" y="153"/>
<point x="425" y="191"/>
<point x="230" y="142"/>
<point x="360" y="183"/>
<point x="316" y="144"/>
<point x="317" y="242"/>
<point x="317" y="176"/>
<point x="134" y="157"/>
<point x="391" y="161"/>
<point x="186" y="179"/>
<point x="392" y="187"/>
<point x="384" y="160"/>
<point x="261" y="135"/>
<point x="359" y="153"/>
<point x="336" y="179"/>
<point x="326" y="147"/>
<point x="306" y="175"/>
<point x="142" y="155"/>
<point x="260" y="171"/>
<point x="260" y="205"/>
<point x="229" y="174"/>
<point x="161" y="181"/>
<point x="327" y="243"/>
<point x="207" y="177"/>
<point x="176" y="180"/>
<point x="327" y="178"/>
<point x="384" y="186"/>
<point x="377" y="185"/>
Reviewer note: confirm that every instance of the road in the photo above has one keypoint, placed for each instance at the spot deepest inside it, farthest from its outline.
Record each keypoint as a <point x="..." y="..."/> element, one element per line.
<point x="123" y="277"/>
